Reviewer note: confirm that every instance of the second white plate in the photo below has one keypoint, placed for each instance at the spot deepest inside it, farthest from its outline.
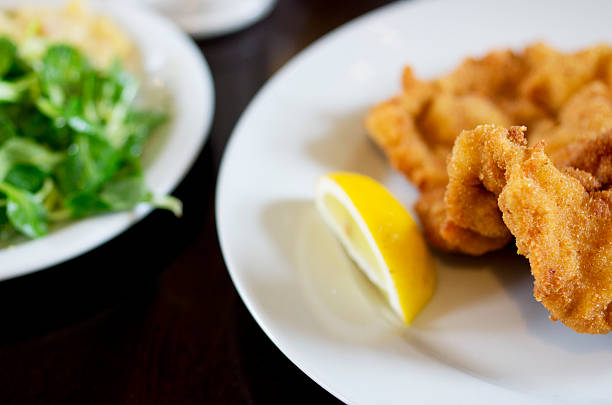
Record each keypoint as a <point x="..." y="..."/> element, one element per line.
<point x="171" y="58"/>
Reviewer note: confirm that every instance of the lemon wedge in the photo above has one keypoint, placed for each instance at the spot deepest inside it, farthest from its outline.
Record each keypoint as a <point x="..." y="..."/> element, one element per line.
<point x="381" y="237"/>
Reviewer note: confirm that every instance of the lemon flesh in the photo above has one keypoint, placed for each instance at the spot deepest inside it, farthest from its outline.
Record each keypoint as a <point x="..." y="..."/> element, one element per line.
<point x="381" y="237"/>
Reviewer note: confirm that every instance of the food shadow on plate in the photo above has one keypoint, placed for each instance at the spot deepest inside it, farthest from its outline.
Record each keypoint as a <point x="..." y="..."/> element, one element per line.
<point x="466" y="281"/>
<point x="535" y="317"/>
<point x="345" y="146"/>
<point x="510" y="271"/>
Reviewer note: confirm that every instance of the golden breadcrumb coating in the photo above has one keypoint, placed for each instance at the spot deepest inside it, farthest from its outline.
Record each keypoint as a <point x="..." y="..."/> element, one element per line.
<point x="561" y="218"/>
<point x="563" y="98"/>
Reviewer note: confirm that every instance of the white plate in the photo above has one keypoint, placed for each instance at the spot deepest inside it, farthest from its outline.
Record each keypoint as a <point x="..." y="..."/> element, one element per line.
<point x="483" y="338"/>
<point x="170" y="57"/>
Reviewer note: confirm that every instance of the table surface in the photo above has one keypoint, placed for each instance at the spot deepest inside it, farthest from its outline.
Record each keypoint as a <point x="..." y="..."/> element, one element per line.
<point x="152" y="316"/>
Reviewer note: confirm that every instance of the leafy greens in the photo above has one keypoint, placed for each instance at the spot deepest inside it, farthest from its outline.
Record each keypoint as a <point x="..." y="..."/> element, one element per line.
<point x="70" y="140"/>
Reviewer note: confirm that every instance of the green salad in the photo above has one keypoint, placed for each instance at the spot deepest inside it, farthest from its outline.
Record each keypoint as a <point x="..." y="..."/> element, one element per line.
<point x="71" y="138"/>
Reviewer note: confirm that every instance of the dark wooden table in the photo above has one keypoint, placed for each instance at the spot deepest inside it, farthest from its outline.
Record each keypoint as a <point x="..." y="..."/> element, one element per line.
<point x="152" y="316"/>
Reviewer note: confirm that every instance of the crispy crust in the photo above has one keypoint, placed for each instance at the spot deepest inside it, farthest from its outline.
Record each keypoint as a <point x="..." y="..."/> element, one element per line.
<point x="561" y="218"/>
<point x="563" y="98"/>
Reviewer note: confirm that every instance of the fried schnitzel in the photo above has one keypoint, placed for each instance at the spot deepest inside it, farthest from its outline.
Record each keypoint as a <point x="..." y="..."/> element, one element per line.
<point x="563" y="98"/>
<point x="561" y="218"/>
